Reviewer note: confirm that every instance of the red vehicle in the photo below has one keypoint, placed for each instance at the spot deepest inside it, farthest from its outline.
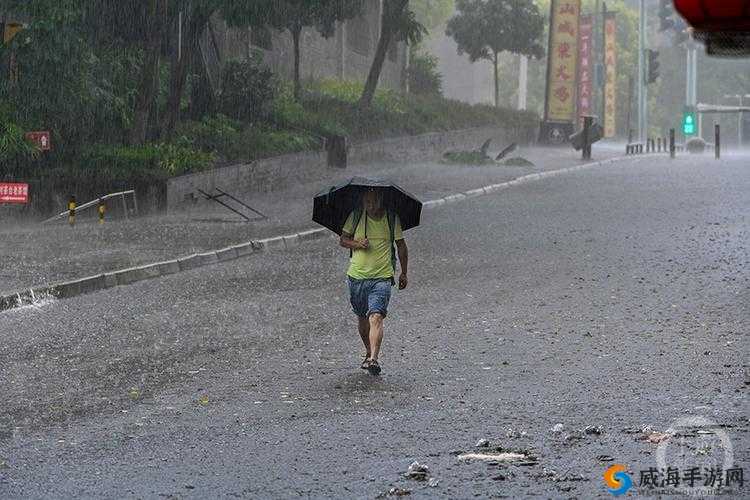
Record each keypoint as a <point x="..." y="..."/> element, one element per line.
<point x="723" y="25"/>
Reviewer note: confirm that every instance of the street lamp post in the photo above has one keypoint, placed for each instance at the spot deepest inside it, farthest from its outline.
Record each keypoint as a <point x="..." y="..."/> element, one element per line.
<point x="739" y="116"/>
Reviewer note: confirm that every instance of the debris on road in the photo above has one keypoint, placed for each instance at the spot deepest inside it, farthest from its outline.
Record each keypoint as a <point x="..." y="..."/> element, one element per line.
<point x="505" y="152"/>
<point x="573" y="436"/>
<point x="505" y="456"/>
<point x="554" y="476"/>
<point x="657" y="437"/>
<point x="557" y="428"/>
<point x="467" y="157"/>
<point x="510" y="433"/>
<point x="593" y="429"/>
<point x="517" y="161"/>
<point x="395" y="492"/>
<point x="482" y="443"/>
<point x="417" y="471"/>
<point x="433" y="482"/>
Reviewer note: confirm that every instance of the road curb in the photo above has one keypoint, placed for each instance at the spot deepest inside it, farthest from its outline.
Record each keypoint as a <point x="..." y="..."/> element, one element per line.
<point x="122" y="277"/>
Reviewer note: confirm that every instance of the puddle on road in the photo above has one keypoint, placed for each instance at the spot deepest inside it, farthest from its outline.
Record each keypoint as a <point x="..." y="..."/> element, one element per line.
<point x="29" y="302"/>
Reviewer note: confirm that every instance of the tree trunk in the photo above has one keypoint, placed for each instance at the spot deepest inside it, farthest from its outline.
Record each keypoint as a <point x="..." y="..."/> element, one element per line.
<point x="296" y="34"/>
<point x="196" y="25"/>
<point x="497" y="83"/>
<point x="147" y="85"/>
<point x="392" y="10"/>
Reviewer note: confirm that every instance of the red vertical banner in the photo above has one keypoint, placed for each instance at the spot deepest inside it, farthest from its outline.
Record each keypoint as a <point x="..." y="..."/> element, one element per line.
<point x="585" y="68"/>
<point x="562" y="71"/>
<point x="562" y="59"/>
<point x="610" y="70"/>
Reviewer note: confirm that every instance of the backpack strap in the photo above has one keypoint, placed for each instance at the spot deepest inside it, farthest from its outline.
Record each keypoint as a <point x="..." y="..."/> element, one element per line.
<point x="392" y="230"/>
<point x="356" y="217"/>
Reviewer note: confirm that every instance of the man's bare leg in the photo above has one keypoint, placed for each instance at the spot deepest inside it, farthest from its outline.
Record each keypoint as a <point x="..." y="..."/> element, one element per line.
<point x="364" y="334"/>
<point x="376" y="334"/>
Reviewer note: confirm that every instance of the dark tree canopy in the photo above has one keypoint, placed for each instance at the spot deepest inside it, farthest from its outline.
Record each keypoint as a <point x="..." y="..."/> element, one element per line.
<point x="292" y="15"/>
<point x="483" y="28"/>
<point x="398" y="22"/>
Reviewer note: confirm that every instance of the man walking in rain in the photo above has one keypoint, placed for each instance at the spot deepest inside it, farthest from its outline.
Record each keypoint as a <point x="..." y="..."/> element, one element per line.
<point x="371" y="233"/>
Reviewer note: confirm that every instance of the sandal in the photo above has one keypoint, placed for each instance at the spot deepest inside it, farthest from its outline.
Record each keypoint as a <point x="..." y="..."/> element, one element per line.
<point x="364" y="364"/>
<point x="373" y="367"/>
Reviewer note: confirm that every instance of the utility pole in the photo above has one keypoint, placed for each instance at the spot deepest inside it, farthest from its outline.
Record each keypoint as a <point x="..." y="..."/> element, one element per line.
<point x="642" y="95"/>
<point x="692" y="72"/>
<point x="603" y="39"/>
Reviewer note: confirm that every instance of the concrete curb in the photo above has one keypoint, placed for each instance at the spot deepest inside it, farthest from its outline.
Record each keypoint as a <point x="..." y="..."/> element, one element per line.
<point x="132" y="275"/>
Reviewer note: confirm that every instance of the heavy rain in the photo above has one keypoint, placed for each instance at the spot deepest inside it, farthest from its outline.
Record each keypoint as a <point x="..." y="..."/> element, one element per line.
<point x="374" y="248"/>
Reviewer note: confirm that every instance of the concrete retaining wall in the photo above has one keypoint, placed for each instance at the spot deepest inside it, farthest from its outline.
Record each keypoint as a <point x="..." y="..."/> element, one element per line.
<point x="280" y="172"/>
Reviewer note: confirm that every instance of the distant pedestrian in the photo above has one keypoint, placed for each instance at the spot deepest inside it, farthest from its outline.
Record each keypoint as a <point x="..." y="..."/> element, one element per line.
<point x="374" y="235"/>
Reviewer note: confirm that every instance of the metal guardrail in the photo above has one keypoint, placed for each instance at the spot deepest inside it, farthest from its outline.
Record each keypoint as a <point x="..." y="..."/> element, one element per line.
<point x="243" y="204"/>
<point x="96" y="202"/>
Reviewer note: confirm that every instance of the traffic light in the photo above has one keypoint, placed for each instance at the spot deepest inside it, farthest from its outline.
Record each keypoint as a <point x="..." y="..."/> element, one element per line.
<point x="666" y="11"/>
<point x="652" y="66"/>
<point x="688" y="121"/>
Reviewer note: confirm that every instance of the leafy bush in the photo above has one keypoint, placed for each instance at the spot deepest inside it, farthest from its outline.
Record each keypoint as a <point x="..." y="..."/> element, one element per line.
<point x="262" y="142"/>
<point x="290" y="114"/>
<point x="13" y="144"/>
<point x="151" y="161"/>
<point x="214" y="134"/>
<point x="386" y="100"/>
<point x="247" y="89"/>
<point x="467" y="158"/>
<point x="423" y="75"/>
<point x="394" y="114"/>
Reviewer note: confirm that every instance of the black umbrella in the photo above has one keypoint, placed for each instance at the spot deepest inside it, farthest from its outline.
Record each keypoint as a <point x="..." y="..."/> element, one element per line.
<point x="332" y="206"/>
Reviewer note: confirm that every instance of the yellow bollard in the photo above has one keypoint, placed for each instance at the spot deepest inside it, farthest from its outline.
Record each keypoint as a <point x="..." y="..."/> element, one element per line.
<point x="102" y="209"/>
<point x="72" y="210"/>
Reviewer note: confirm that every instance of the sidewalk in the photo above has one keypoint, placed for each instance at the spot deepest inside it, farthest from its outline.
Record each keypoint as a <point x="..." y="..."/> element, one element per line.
<point x="36" y="255"/>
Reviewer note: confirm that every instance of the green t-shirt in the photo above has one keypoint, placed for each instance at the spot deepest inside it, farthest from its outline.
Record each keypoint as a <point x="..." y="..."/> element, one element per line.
<point x="375" y="261"/>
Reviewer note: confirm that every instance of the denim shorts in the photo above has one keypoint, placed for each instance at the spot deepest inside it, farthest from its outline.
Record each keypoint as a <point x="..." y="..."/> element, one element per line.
<point x="369" y="296"/>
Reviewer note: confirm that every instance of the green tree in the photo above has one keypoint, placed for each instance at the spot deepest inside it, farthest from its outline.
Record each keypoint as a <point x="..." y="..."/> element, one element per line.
<point x="432" y="14"/>
<point x="293" y="16"/>
<point x="399" y="23"/>
<point x="424" y="77"/>
<point x="145" y="97"/>
<point x="196" y="16"/>
<point x="54" y="87"/>
<point x="483" y="29"/>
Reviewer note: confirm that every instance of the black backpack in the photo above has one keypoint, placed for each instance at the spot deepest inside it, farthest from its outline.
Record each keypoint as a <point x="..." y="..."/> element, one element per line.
<point x="357" y="217"/>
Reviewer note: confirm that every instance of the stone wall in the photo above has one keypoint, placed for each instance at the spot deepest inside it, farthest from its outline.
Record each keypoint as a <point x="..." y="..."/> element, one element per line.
<point x="281" y="172"/>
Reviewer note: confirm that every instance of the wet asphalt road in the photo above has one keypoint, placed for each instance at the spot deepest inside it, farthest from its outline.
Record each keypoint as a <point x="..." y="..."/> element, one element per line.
<point x="616" y="297"/>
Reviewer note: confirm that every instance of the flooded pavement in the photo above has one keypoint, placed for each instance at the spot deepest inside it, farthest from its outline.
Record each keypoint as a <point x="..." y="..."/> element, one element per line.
<point x="37" y="255"/>
<point x="549" y="332"/>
